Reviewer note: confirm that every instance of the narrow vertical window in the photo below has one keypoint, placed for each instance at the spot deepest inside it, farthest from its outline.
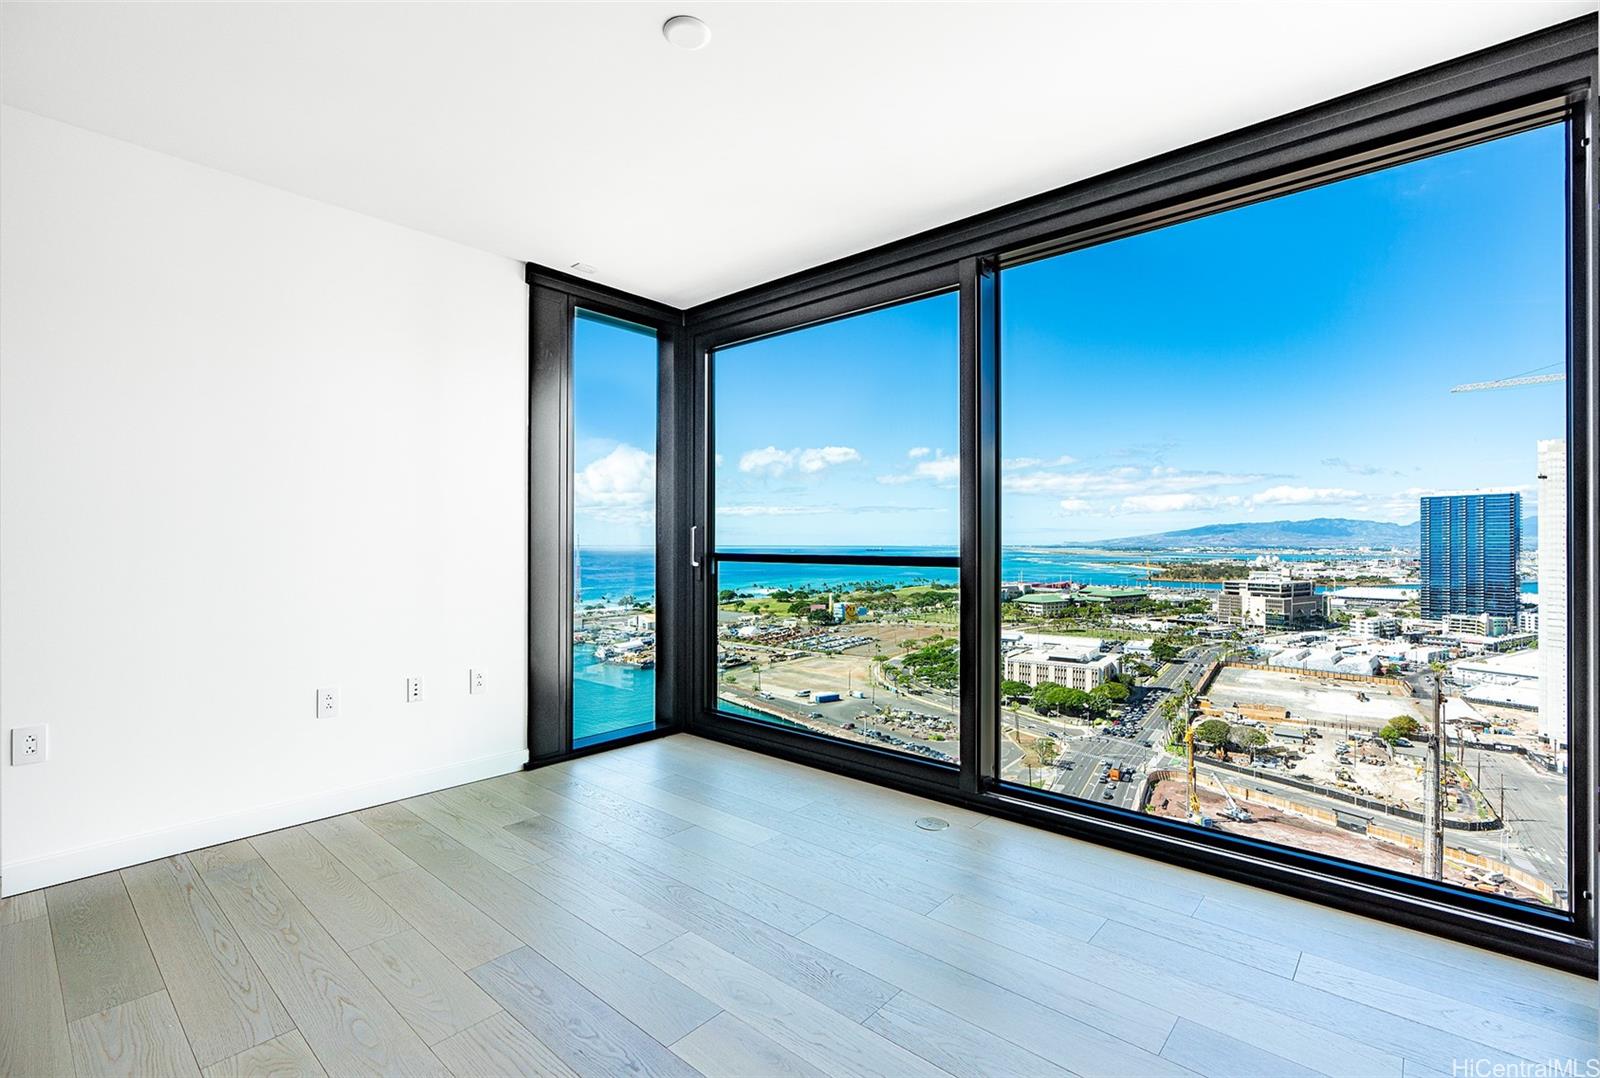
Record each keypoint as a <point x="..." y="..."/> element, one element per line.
<point x="613" y="528"/>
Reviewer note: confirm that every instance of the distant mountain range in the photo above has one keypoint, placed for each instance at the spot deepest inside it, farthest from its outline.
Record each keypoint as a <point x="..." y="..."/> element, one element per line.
<point x="1319" y="533"/>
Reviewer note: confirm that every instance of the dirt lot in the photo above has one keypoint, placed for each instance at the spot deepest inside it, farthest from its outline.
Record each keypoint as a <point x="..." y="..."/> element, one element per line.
<point x="1326" y="703"/>
<point x="1298" y="832"/>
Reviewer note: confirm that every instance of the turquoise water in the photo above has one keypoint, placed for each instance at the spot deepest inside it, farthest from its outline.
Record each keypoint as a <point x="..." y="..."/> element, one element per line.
<point x="609" y="699"/>
<point x="612" y="574"/>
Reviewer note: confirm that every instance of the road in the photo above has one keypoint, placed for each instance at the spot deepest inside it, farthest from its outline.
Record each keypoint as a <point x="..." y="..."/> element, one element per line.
<point x="1535" y="833"/>
<point x="1082" y="757"/>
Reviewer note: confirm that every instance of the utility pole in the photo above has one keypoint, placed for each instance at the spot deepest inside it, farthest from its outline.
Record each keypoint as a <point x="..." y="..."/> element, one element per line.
<point x="1433" y="801"/>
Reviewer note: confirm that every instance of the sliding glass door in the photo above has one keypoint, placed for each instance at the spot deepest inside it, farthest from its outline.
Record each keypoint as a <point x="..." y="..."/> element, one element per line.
<point x="835" y="481"/>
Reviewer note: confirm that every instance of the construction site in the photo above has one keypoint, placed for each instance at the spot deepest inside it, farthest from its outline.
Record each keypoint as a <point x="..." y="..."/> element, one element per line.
<point x="1318" y="777"/>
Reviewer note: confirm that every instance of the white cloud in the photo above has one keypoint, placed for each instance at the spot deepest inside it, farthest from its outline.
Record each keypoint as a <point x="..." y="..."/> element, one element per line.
<point x="919" y="452"/>
<point x="1016" y="464"/>
<point x="624" y="477"/>
<point x="1124" y="480"/>
<point x="1287" y="495"/>
<point x="772" y="510"/>
<point x="941" y="469"/>
<point x="1176" y="503"/>
<point x="774" y="461"/>
<point x="1075" y="505"/>
<point x="814" y="460"/>
<point x="818" y="510"/>
<point x="770" y="459"/>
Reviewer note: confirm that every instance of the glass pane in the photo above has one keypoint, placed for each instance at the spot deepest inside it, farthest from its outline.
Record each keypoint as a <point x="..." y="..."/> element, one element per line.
<point x="1250" y="494"/>
<point x="834" y="440"/>
<point x="842" y="436"/>
<point x="613" y="528"/>
<point x="863" y="654"/>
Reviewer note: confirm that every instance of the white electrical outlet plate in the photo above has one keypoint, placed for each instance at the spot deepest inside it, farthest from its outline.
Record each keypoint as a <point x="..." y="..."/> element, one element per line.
<point x="327" y="703"/>
<point x="413" y="689"/>
<point x="474" y="681"/>
<point x="29" y="745"/>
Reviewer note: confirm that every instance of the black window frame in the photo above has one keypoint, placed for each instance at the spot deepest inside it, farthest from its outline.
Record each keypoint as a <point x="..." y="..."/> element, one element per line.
<point x="1496" y="91"/>
<point x="554" y="300"/>
<point x="704" y="716"/>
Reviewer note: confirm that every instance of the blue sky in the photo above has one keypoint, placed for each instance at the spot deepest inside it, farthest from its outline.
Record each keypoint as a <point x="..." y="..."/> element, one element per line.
<point x="1286" y="360"/>
<point x="614" y="432"/>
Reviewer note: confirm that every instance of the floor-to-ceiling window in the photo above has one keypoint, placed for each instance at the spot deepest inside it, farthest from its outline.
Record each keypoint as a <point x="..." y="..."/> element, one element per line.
<point x="1284" y="504"/>
<point x="836" y="493"/>
<point x="614" y="378"/>
<point x="1218" y="507"/>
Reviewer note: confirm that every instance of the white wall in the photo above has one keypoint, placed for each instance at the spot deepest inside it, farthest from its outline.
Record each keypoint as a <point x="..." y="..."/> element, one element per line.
<point x="250" y="445"/>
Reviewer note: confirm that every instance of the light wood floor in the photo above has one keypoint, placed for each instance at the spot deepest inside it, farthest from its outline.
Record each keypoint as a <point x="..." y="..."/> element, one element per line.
<point x="680" y="907"/>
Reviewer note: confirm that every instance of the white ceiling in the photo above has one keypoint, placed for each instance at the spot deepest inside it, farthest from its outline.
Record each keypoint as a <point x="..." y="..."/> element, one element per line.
<point x="571" y="132"/>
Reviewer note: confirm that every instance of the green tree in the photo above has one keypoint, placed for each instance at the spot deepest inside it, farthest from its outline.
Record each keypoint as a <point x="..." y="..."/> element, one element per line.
<point x="727" y="595"/>
<point x="1248" y="738"/>
<point x="819" y="617"/>
<point x="1113" y="691"/>
<point x="1176" y="715"/>
<point x="1073" y="701"/>
<point x="1015" y="690"/>
<point x="1165" y="649"/>
<point x="1050" y="698"/>
<point x="1213" y="732"/>
<point x="938" y="662"/>
<point x="1047" y="750"/>
<point x="1398" y="727"/>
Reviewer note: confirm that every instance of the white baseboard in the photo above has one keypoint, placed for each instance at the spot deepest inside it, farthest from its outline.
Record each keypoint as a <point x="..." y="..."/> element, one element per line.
<point x="17" y="877"/>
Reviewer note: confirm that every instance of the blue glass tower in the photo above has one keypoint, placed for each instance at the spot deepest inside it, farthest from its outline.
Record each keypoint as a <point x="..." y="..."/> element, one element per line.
<point x="1470" y="544"/>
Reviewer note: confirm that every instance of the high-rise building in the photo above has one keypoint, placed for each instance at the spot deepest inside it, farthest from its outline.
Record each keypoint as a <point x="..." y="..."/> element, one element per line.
<point x="1553" y="590"/>
<point x="1470" y="543"/>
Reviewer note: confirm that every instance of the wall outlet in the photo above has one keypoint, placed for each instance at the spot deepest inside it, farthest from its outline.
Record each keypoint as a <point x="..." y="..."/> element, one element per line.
<point x="29" y="745"/>
<point x="413" y="690"/>
<point x="327" y="703"/>
<point x="474" y="681"/>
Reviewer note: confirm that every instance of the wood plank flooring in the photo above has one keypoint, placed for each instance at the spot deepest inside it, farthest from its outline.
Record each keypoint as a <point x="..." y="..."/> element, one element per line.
<point x="681" y="908"/>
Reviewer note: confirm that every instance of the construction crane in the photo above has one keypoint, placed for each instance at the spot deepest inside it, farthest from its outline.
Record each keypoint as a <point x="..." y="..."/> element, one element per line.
<point x="1507" y="383"/>
<point x="1195" y="815"/>
<point x="1234" y="811"/>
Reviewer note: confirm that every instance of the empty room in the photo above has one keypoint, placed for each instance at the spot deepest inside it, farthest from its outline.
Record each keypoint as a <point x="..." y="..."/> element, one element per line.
<point x="886" y="539"/>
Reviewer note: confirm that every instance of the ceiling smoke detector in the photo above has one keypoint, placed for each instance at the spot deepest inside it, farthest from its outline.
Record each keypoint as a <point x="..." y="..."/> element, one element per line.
<point x="686" y="32"/>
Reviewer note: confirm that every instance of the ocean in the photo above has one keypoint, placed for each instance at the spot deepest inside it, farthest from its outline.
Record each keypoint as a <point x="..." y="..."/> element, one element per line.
<point x="610" y="574"/>
<point x="611" y="699"/>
